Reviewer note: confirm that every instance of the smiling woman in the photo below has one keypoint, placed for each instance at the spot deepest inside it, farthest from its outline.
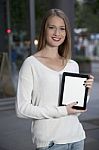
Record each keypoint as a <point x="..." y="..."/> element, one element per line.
<point x="55" y="31"/>
<point x="54" y="127"/>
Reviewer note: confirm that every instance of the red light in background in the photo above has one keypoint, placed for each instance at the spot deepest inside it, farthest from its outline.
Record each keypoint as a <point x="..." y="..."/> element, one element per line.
<point x="8" y="30"/>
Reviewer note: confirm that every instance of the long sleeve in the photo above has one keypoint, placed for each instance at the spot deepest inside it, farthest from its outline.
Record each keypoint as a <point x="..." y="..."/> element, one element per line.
<point x="37" y="98"/>
<point x="25" y="92"/>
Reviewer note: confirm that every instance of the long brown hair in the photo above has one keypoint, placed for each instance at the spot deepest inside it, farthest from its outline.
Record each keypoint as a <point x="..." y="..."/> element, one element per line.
<point x="64" y="49"/>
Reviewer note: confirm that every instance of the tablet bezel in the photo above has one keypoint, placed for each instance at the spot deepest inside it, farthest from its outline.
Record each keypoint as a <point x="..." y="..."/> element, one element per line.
<point x="62" y="88"/>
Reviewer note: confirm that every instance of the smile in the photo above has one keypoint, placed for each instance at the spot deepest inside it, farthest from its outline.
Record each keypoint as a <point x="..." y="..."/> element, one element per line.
<point x="56" y="39"/>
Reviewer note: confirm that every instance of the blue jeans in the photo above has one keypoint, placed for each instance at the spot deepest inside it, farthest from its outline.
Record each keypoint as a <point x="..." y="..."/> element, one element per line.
<point x="71" y="146"/>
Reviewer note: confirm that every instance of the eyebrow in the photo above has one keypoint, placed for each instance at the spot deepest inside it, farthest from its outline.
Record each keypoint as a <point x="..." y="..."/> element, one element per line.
<point x="54" y="25"/>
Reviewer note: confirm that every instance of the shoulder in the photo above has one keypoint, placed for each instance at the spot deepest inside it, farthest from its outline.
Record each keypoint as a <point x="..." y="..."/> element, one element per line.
<point x="73" y="65"/>
<point x="73" y="62"/>
<point x="29" y="61"/>
<point x="26" y="66"/>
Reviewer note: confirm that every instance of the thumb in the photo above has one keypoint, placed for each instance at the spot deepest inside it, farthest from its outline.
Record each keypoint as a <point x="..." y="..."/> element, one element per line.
<point x="73" y="104"/>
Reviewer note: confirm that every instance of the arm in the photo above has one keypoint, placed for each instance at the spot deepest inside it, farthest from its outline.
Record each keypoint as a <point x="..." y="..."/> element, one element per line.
<point x="24" y="107"/>
<point x="27" y="110"/>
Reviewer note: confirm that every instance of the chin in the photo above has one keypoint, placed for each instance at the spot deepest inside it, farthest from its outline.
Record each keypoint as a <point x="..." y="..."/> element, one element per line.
<point x="55" y="44"/>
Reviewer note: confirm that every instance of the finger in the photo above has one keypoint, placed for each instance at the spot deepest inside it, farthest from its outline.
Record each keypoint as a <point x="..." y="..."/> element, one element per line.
<point x="73" y="104"/>
<point x="89" y="84"/>
<point x="89" y="80"/>
<point x="91" y="77"/>
<point x="81" y="111"/>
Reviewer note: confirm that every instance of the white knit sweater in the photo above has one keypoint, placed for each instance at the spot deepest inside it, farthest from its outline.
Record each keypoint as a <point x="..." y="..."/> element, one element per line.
<point x="37" y="98"/>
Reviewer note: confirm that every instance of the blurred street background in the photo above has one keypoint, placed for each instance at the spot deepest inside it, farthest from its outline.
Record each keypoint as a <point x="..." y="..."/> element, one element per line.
<point x="20" y="23"/>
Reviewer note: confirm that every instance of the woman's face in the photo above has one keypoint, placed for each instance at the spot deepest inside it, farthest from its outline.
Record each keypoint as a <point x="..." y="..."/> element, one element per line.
<point x="55" y="31"/>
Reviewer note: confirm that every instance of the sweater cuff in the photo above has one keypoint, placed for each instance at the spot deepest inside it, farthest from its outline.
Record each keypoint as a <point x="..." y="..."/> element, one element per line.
<point x="63" y="110"/>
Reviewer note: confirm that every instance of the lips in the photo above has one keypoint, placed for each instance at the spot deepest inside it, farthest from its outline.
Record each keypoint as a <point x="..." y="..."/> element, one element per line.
<point x="56" y="39"/>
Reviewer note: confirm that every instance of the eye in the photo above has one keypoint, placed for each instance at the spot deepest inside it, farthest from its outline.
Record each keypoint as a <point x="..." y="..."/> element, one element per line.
<point x="51" y="27"/>
<point x="62" y="29"/>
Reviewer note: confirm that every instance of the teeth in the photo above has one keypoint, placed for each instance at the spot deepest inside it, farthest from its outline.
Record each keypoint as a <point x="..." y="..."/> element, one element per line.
<point x="56" y="39"/>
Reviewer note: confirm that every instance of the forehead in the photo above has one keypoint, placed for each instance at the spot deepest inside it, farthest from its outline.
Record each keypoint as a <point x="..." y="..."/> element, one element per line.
<point x="55" y="20"/>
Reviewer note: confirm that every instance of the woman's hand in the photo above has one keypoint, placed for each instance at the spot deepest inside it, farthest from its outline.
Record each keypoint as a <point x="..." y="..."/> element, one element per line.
<point x="89" y="82"/>
<point x="71" y="110"/>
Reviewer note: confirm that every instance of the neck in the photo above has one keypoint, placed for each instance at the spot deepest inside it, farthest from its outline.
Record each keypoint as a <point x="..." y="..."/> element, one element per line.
<point x="51" y="52"/>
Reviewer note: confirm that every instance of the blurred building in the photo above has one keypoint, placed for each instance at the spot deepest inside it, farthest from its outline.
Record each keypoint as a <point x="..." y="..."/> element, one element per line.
<point x="3" y="23"/>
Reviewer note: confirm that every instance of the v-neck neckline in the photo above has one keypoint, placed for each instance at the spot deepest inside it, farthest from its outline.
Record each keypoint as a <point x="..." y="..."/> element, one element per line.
<point x="48" y="68"/>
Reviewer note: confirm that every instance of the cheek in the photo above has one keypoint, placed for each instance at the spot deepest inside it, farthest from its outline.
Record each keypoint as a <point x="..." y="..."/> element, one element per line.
<point x="48" y="39"/>
<point x="63" y="37"/>
<point x="48" y="35"/>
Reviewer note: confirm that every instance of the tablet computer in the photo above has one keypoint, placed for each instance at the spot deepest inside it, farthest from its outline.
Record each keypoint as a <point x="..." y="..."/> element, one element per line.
<point x="73" y="90"/>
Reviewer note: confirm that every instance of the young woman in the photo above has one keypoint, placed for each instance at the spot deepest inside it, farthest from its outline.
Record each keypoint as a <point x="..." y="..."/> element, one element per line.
<point x="53" y="127"/>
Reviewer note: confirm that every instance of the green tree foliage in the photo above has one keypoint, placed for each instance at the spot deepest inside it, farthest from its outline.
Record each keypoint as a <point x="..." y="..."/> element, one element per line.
<point x="19" y="14"/>
<point x="87" y="14"/>
<point x="41" y="6"/>
<point x="19" y="11"/>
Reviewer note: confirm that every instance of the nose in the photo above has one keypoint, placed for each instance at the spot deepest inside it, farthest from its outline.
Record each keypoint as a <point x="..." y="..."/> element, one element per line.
<point x="57" y="32"/>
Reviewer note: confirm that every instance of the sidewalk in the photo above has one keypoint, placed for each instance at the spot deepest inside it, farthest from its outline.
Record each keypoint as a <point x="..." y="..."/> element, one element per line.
<point x="15" y="133"/>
